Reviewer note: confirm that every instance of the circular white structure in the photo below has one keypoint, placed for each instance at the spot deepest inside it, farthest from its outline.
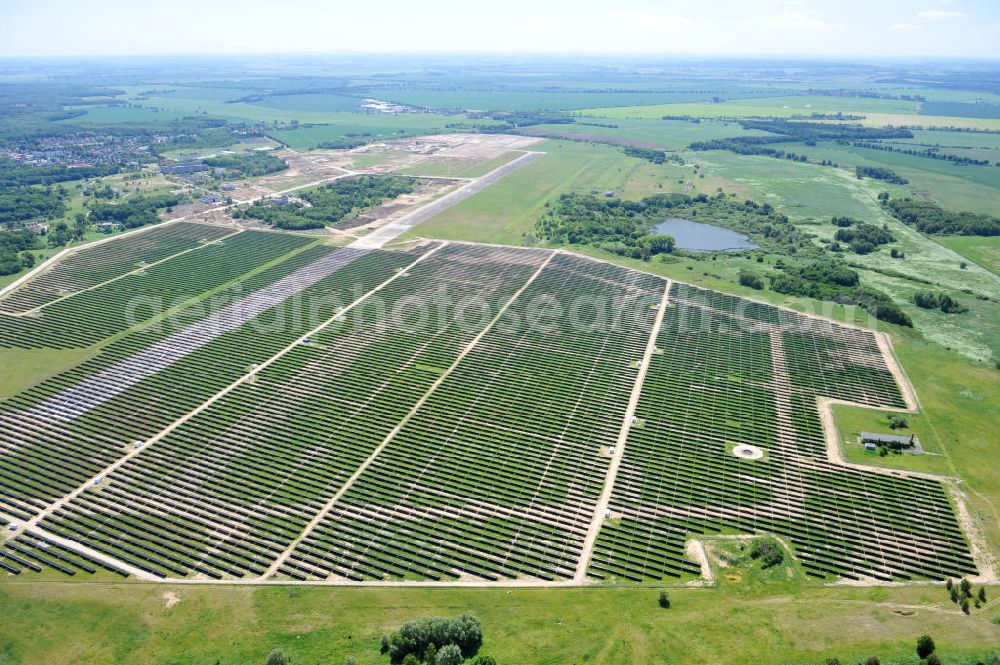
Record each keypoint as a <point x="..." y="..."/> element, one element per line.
<point x="745" y="451"/>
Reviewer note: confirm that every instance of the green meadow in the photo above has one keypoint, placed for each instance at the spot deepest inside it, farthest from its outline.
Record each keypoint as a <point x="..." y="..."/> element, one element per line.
<point x="762" y="620"/>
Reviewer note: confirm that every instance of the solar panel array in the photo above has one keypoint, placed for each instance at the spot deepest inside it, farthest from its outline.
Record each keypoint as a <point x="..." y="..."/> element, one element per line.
<point x="457" y="422"/>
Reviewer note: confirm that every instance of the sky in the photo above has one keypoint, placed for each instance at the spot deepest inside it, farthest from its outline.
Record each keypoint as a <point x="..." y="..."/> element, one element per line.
<point x="927" y="28"/>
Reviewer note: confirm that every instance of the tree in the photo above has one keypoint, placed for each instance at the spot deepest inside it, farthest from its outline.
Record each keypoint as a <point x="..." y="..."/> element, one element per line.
<point x="449" y="655"/>
<point x="949" y="584"/>
<point x="965" y="605"/>
<point x="415" y="637"/>
<point x="933" y="659"/>
<point x="925" y="646"/>
<point x="966" y="586"/>
<point x="982" y="594"/>
<point x="430" y="654"/>
<point x="925" y="299"/>
<point x="664" y="600"/>
<point x="751" y="279"/>
<point x="277" y="657"/>
<point x="872" y="660"/>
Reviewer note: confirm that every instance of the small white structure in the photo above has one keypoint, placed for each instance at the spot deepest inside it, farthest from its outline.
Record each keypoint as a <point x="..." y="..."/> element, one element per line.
<point x="13" y="526"/>
<point x="746" y="451"/>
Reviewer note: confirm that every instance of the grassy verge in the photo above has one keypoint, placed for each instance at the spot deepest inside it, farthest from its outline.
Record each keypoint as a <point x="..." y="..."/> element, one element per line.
<point x="131" y="623"/>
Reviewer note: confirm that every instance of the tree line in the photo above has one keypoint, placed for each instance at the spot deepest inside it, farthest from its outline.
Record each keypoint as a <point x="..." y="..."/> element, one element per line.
<point x="931" y="218"/>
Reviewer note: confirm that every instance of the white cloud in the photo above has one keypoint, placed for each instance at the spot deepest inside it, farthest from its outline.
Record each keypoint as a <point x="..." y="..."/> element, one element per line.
<point x="644" y="19"/>
<point x="907" y="26"/>
<point x="939" y="14"/>
<point x="801" y="21"/>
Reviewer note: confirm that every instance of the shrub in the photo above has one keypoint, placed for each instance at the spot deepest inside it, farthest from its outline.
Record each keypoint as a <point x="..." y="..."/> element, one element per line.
<point x="484" y="660"/>
<point x="414" y="637"/>
<point x="751" y="280"/>
<point x="933" y="659"/>
<point x="925" y="646"/>
<point x="449" y="655"/>
<point x="925" y="299"/>
<point x="872" y="660"/>
<point x="277" y="657"/>
<point x="768" y="552"/>
<point x="949" y="305"/>
<point x="664" y="600"/>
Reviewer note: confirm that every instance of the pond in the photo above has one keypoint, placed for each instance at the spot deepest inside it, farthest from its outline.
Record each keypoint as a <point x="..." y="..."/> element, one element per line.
<point x="699" y="237"/>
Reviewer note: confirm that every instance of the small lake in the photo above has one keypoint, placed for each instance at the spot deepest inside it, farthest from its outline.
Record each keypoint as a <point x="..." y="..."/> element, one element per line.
<point x="699" y="237"/>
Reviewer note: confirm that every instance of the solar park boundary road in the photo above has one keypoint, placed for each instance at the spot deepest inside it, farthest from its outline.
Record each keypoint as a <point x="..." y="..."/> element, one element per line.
<point x="475" y="453"/>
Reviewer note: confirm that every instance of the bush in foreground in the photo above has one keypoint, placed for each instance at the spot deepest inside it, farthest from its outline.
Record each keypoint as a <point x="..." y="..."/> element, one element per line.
<point x="925" y="646"/>
<point x="415" y="637"/>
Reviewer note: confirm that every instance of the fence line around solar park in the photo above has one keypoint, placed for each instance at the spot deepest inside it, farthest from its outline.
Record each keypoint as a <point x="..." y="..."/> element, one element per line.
<point x="31" y="524"/>
<point x="318" y="518"/>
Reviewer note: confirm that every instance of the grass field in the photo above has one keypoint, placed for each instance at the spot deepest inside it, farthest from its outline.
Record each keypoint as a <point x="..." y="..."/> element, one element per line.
<point x="317" y="102"/>
<point x="673" y="134"/>
<point x="742" y="624"/>
<point x="506" y="211"/>
<point x="973" y="188"/>
<point x="851" y="421"/>
<point x="555" y="100"/>
<point x="983" y="250"/>
<point x="26" y="367"/>
<point x="770" y="106"/>
<point x="877" y="112"/>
